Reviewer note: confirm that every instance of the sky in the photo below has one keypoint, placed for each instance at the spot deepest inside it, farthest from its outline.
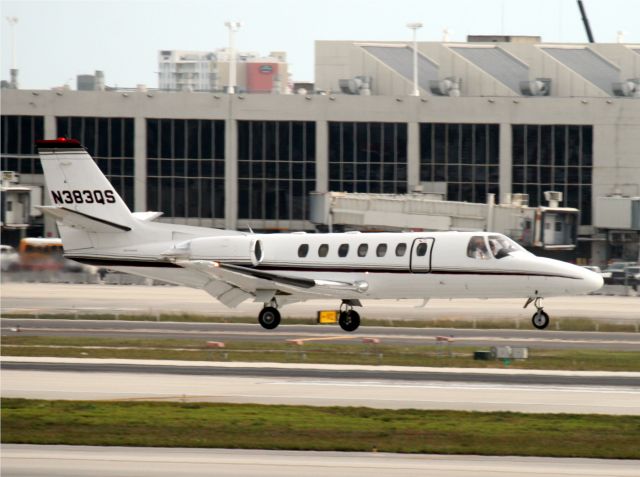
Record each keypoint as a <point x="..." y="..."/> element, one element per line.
<point x="57" y="40"/>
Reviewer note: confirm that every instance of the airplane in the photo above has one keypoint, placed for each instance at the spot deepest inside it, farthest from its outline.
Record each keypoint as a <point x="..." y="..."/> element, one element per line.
<point x="97" y="228"/>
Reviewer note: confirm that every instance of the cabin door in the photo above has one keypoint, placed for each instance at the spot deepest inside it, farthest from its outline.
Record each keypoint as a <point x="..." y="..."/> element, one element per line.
<point x="421" y="255"/>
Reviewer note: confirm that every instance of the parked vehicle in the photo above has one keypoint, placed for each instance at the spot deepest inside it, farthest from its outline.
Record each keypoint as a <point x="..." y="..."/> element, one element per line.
<point x="9" y="258"/>
<point x="38" y="254"/>
<point x="605" y="275"/>
<point x="617" y="272"/>
<point x="632" y="275"/>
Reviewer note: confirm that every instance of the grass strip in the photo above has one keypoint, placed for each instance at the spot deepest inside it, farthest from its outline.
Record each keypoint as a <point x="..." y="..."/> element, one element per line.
<point x="562" y="324"/>
<point x="162" y="424"/>
<point x="313" y="352"/>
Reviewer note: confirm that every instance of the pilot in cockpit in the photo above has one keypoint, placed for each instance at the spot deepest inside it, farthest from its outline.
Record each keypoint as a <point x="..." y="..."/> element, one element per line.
<point x="477" y="248"/>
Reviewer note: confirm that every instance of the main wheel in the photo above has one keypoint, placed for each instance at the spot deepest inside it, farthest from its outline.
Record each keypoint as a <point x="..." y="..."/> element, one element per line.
<point x="269" y="317"/>
<point x="540" y="319"/>
<point x="349" y="320"/>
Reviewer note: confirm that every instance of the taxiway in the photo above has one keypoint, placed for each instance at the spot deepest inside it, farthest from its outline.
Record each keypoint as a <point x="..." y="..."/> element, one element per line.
<point x="76" y="461"/>
<point x="386" y="387"/>
<point x="547" y="339"/>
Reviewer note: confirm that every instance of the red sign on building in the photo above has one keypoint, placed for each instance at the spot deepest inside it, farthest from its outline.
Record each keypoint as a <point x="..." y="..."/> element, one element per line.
<point x="260" y="77"/>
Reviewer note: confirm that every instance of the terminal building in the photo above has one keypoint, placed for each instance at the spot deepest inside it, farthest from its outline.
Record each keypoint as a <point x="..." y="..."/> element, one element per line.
<point x="513" y="118"/>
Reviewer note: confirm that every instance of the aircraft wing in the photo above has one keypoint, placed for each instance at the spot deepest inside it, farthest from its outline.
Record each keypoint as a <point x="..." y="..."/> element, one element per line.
<point x="233" y="284"/>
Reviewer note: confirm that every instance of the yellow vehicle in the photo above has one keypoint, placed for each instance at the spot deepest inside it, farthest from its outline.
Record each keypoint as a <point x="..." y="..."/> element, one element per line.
<point x="41" y="254"/>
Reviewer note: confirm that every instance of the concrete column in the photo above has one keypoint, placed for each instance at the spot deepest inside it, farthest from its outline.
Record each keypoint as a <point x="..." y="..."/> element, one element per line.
<point x="413" y="156"/>
<point x="322" y="156"/>
<point x="506" y="161"/>
<point x="50" y="132"/>
<point x="50" y="128"/>
<point x="230" y="169"/>
<point x="140" y="164"/>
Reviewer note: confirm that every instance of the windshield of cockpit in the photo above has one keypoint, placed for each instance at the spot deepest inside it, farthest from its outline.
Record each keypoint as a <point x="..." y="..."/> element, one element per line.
<point x="499" y="247"/>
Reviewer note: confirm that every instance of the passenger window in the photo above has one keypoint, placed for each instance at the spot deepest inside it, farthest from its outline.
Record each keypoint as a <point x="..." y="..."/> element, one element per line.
<point x="477" y="248"/>
<point x="363" y="249"/>
<point x="421" y="249"/>
<point x="343" y="250"/>
<point x="401" y="249"/>
<point x="323" y="250"/>
<point x="381" y="251"/>
<point x="303" y="250"/>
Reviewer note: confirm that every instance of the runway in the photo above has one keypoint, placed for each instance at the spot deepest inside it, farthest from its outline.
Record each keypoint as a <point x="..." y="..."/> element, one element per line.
<point x="387" y="335"/>
<point x="323" y="385"/>
<point x="55" y="297"/>
<point x="76" y="461"/>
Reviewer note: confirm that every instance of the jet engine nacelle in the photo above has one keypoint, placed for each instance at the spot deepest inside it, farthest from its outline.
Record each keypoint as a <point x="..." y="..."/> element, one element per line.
<point x="226" y="249"/>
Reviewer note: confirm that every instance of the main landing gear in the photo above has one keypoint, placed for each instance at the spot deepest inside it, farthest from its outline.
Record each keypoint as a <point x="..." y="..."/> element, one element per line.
<point x="540" y="319"/>
<point x="269" y="317"/>
<point x="349" y="318"/>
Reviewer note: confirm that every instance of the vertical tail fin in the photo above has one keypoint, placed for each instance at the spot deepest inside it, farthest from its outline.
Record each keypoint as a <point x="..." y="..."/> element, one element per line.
<point x="77" y="185"/>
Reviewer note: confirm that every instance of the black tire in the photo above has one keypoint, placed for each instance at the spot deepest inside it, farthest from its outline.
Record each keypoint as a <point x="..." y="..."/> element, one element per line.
<point x="349" y="320"/>
<point x="540" y="320"/>
<point x="269" y="318"/>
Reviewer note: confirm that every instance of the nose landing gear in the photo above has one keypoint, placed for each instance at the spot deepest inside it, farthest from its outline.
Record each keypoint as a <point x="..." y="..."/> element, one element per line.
<point x="540" y="319"/>
<point x="269" y="316"/>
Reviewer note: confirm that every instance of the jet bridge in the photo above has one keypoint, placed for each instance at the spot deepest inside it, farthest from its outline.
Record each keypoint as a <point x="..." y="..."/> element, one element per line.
<point x="548" y="227"/>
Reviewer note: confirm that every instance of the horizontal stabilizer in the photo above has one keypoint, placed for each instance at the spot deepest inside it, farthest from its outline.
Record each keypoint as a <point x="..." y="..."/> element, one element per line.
<point x="147" y="216"/>
<point x="73" y="218"/>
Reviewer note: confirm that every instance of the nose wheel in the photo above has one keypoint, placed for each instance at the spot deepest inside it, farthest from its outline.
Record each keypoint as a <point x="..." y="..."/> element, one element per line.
<point x="540" y="319"/>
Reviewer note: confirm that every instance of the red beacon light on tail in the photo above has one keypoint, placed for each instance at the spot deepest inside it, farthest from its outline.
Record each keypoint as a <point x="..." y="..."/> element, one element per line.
<point x="61" y="142"/>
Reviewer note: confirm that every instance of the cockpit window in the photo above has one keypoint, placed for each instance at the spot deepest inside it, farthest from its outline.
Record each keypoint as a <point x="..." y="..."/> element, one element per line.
<point x="477" y="248"/>
<point x="502" y="246"/>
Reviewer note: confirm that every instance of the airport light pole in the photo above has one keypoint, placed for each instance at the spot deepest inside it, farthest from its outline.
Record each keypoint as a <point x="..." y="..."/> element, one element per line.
<point x="414" y="26"/>
<point x="13" y="72"/>
<point x="233" y="27"/>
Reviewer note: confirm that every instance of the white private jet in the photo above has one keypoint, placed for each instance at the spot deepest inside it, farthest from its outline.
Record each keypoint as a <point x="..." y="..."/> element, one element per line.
<point x="97" y="228"/>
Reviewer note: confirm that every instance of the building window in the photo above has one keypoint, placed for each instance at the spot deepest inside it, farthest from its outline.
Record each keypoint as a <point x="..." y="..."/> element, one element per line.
<point x="276" y="169"/>
<point x="110" y="142"/>
<point x="461" y="159"/>
<point x="18" y="135"/>
<point x="185" y="167"/>
<point x="554" y="157"/>
<point x="368" y="157"/>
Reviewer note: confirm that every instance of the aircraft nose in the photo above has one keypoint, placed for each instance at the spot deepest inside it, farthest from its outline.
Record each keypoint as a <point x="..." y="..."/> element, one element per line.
<point x="592" y="281"/>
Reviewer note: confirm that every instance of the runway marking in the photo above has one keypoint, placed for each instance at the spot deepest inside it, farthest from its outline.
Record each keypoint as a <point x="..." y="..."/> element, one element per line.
<point x="326" y="338"/>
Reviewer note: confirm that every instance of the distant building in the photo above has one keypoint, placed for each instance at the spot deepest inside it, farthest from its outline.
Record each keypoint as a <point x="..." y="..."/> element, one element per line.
<point x="180" y="70"/>
<point x="504" y="118"/>
<point x="94" y="82"/>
